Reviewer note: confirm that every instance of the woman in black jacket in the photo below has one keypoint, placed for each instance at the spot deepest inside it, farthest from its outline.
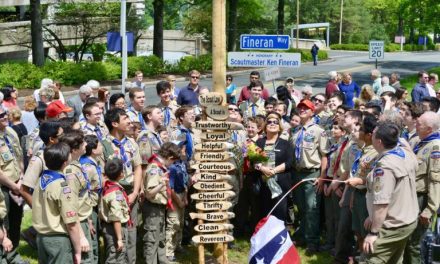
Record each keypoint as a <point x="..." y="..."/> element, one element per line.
<point x="280" y="153"/>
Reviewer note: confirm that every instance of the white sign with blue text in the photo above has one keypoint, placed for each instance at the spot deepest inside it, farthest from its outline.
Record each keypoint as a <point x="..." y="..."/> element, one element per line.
<point x="265" y="42"/>
<point x="264" y="59"/>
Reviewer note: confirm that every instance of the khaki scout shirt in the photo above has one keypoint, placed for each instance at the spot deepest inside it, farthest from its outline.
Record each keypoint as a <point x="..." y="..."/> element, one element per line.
<point x="134" y="158"/>
<point x="3" y="210"/>
<point x="413" y="139"/>
<point x="96" y="181"/>
<point x="149" y="143"/>
<point x="134" y="116"/>
<point x="392" y="183"/>
<point x="154" y="176"/>
<point x="348" y="154"/>
<point x="11" y="157"/>
<point x="332" y="157"/>
<point x="78" y="183"/>
<point x="314" y="145"/>
<point x="34" y="141"/>
<point x="114" y="208"/>
<point x="428" y="175"/>
<point x="173" y="106"/>
<point x="325" y="119"/>
<point x="89" y="129"/>
<point x="54" y="208"/>
<point x="246" y="108"/>
<point x="34" y="170"/>
<point x="366" y="164"/>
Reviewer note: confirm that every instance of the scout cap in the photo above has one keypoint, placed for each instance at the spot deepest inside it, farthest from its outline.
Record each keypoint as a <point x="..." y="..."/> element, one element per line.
<point x="307" y="103"/>
<point x="56" y="108"/>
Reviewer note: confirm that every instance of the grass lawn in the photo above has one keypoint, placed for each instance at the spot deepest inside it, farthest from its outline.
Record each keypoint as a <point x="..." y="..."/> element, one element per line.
<point x="410" y="81"/>
<point x="238" y="255"/>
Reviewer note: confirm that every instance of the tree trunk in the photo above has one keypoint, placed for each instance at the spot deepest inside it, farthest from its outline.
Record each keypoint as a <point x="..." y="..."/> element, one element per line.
<point x="280" y="25"/>
<point x="158" y="28"/>
<point x="37" y="33"/>
<point x="232" y="25"/>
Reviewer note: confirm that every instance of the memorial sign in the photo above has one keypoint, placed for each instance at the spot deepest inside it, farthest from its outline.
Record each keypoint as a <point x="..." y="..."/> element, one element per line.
<point x="215" y="136"/>
<point x="209" y="206"/>
<point x="216" y="125"/>
<point x="212" y="196"/>
<point x="210" y="99"/>
<point x="217" y="112"/>
<point x="212" y="186"/>
<point x="217" y="238"/>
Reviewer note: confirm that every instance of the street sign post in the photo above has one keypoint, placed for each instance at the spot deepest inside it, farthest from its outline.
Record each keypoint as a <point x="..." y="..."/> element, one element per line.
<point x="264" y="59"/>
<point x="265" y="42"/>
<point x="376" y="50"/>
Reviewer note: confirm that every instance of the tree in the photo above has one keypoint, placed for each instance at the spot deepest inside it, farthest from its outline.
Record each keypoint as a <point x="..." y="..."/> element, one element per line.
<point x="37" y="33"/>
<point x="280" y="24"/>
<point x="231" y="27"/>
<point x="158" y="28"/>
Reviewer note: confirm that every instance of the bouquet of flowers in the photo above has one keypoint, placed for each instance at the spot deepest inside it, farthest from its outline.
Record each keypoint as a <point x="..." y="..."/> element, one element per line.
<point x="256" y="154"/>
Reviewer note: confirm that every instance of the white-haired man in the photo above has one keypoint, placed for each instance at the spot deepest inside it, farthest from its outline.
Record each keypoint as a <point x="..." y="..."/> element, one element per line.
<point x="386" y="87"/>
<point x="45" y="83"/>
<point x="332" y="84"/>
<point x="77" y="102"/>
<point x="377" y="82"/>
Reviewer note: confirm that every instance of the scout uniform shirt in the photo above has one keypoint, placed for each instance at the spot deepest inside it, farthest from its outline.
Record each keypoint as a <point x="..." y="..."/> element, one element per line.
<point x="3" y="210"/>
<point x="169" y="119"/>
<point x="332" y="157"/>
<point x="364" y="164"/>
<point x="136" y="116"/>
<point x="392" y="182"/>
<point x="80" y="186"/>
<point x="53" y="204"/>
<point x="128" y="151"/>
<point x="154" y="177"/>
<point x="310" y="143"/>
<point x="100" y="130"/>
<point x="35" y="143"/>
<point x="190" y="136"/>
<point x="249" y="108"/>
<point x="34" y="170"/>
<point x="93" y="171"/>
<point x="348" y="156"/>
<point x="324" y="119"/>
<point x="428" y="173"/>
<point x="149" y="143"/>
<point x="11" y="154"/>
<point x="112" y="206"/>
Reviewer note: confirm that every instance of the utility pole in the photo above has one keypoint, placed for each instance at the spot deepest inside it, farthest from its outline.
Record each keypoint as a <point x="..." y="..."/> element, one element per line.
<point x="124" y="43"/>
<point x="340" y="22"/>
<point x="297" y="23"/>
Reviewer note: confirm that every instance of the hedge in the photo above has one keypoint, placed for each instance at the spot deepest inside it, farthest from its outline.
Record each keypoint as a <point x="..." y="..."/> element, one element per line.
<point x="28" y="76"/>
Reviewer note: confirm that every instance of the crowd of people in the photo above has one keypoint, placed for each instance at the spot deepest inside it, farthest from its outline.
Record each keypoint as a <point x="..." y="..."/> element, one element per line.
<point x="365" y="160"/>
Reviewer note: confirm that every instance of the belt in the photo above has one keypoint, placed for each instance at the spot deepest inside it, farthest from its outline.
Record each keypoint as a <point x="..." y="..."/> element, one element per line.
<point x="308" y="170"/>
<point x="393" y="228"/>
<point x="362" y="191"/>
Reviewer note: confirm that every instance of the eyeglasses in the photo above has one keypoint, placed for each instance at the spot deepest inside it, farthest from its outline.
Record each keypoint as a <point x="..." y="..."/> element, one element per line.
<point x="273" y="122"/>
<point x="228" y="79"/>
<point x="195" y="77"/>
<point x="233" y="109"/>
<point x="318" y="100"/>
<point x="3" y="115"/>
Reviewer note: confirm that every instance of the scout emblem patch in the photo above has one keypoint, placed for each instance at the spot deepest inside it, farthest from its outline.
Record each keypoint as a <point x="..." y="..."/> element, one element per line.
<point x="378" y="172"/>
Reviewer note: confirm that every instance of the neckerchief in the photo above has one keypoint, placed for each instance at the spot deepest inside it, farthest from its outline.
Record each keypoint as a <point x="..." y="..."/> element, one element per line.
<point x="166" y="116"/>
<point x="120" y="145"/>
<point x="154" y="159"/>
<point x="356" y="162"/>
<point x="189" y="142"/>
<point x="111" y="186"/>
<point x="8" y="143"/>
<point x="140" y="117"/>
<point x="49" y="176"/>
<point x="423" y="142"/>
<point x="298" y="142"/>
<point x="86" y="160"/>
<point x="338" y="158"/>
<point x="96" y="130"/>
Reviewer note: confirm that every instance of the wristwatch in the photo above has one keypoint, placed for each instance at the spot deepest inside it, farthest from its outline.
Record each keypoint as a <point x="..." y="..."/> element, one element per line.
<point x="373" y="233"/>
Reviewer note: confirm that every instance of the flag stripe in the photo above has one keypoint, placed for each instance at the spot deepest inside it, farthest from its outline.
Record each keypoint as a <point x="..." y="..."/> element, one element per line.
<point x="271" y="248"/>
<point x="291" y="257"/>
<point x="266" y="233"/>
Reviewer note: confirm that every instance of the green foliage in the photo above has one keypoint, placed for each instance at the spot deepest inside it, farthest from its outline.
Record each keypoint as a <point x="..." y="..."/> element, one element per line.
<point x="411" y="80"/>
<point x="392" y="47"/>
<point x="203" y="64"/>
<point x="361" y="47"/>
<point x="149" y="65"/>
<point x="307" y="56"/>
<point x="98" y="51"/>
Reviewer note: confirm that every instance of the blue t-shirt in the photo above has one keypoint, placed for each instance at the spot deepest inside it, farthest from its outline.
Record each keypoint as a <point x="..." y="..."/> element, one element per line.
<point x="349" y="91"/>
<point x="187" y="96"/>
<point x="231" y="88"/>
<point x="178" y="176"/>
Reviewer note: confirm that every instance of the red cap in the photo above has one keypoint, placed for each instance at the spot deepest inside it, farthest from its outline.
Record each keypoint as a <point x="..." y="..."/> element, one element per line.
<point x="306" y="103"/>
<point x="57" y="107"/>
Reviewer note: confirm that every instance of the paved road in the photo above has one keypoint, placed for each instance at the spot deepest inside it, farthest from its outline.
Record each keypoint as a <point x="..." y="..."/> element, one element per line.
<point x="405" y="63"/>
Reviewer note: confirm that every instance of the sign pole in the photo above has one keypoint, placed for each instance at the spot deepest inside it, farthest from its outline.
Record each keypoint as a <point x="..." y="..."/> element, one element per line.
<point x="273" y="84"/>
<point x="376" y="63"/>
<point x="219" y="81"/>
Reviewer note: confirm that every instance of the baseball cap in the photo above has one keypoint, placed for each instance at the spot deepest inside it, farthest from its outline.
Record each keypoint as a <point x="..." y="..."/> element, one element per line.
<point x="307" y="103"/>
<point x="57" y="107"/>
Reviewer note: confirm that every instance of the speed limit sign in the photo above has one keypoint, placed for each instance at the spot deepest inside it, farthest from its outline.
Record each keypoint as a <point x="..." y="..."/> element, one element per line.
<point x="376" y="50"/>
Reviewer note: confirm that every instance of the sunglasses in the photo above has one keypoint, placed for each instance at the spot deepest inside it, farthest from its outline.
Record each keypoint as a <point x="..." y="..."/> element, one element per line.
<point x="3" y="115"/>
<point x="228" y="79"/>
<point x="233" y="109"/>
<point x="273" y="122"/>
<point x="195" y="77"/>
<point x="318" y="100"/>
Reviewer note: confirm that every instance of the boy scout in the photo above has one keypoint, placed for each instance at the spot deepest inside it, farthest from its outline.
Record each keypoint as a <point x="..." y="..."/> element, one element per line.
<point x="391" y="185"/>
<point x="427" y="180"/>
<point x="80" y="185"/>
<point x="311" y="147"/>
<point x="167" y="105"/>
<point x="114" y="211"/>
<point x="362" y="165"/>
<point x="158" y="199"/>
<point x="137" y="100"/>
<point x="93" y="124"/>
<point x="92" y="168"/>
<point x="149" y="140"/>
<point x="255" y="104"/>
<point x="118" y="145"/>
<point x="186" y="117"/>
<point x="54" y="211"/>
<point x="11" y="165"/>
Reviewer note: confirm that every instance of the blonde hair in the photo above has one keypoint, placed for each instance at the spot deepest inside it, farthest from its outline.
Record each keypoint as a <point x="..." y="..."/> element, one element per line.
<point x="367" y="93"/>
<point x="15" y="114"/>
<point x="29" y="103"/>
